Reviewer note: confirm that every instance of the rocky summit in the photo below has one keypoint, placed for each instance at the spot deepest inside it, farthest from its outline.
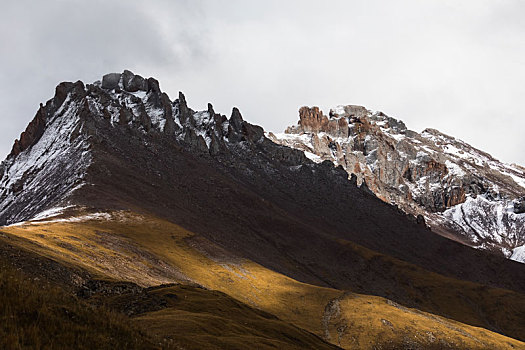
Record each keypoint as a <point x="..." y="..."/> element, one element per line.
<point x="153" y="225"/>
<point x="461" y="192"/>
<point x="55" y="153"/>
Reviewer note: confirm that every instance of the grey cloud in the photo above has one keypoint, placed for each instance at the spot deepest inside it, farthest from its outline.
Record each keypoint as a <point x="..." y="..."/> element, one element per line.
<point x="455" y="66"/>
<point x="48" y="42"/>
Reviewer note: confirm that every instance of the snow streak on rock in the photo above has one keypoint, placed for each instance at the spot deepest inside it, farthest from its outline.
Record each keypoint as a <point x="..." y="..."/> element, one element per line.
<point x="47" y="171"/>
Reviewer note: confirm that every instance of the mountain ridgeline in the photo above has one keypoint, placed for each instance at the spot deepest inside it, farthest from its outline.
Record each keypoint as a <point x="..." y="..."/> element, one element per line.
<point x="121" y="144"/>
<point x="463" y="193"/>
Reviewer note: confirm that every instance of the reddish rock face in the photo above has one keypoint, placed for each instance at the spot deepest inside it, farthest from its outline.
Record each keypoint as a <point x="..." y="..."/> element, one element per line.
<point x="456" y="196"/>
<point x="312" y="120"/>
<point x="431" y="168"/>
<point x="32" y="134"/>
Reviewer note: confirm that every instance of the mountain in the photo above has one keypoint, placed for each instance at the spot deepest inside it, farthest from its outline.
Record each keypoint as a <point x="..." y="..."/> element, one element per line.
<point x="115" y="191"/>
<point x="462" y="193"/>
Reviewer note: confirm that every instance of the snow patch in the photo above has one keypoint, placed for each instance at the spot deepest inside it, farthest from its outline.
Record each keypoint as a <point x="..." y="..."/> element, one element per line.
<point x="80" y="218"/>
<point x="295" y="140"/>
<point x="518" y="254"/>
<point x="49" y="213"/>
<point x="454" y="169"/>
<point x="313" y="157"/>
<point x="339" y="111"/>
<point x="491" y="220"/>
<point x="139" y="94"/>
<point x="397" y="137"/>
<point x="157" y="117"/>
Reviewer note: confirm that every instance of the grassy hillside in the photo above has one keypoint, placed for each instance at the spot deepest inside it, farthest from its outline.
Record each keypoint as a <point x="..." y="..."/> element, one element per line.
<point x="35" y="315"/>
<point x="150" y="251"/>
<point x="196" y="318"/>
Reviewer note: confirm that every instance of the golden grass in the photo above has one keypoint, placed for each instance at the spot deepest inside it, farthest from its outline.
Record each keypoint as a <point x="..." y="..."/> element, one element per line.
<point x="203" y="319"/>
<point x="150" y="251"/>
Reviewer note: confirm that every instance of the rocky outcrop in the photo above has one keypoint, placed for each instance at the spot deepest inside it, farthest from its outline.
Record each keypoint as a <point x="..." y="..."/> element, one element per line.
<point x="424" y="174"/>
<point x="519" y="205"/>
<point x="50" y="158"/>
<point x="32" y="134"/>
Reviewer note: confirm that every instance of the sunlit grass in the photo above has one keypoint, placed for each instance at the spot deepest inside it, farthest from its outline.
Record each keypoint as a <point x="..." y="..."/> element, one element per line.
<point x="150" y="251"/>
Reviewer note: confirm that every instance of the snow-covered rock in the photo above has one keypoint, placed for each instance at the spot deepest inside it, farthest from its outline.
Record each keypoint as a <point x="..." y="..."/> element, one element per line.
<point x="461" y="191"/>
<point x="51" y="166"/>
<point x="518" y="254"/>
<point x="53" y="156"/>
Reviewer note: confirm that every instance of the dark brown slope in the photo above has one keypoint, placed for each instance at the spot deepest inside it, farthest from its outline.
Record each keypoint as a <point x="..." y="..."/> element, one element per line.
<point x="270" y="204"/>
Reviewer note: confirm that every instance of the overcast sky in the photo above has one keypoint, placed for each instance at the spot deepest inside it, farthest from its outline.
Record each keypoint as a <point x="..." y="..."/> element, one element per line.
<point x="457" y="66"/>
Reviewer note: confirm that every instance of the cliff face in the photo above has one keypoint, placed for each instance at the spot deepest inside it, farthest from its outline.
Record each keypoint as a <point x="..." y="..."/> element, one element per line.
<point x="463" y="193"/>
<point x="49" y="160"/>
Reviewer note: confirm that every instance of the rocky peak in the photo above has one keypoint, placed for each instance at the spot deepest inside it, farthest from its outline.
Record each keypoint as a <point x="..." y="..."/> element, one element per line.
<point x="349" y="111"/>
<point x="129" y="82"/>
<point x="236" y="120"/>
<point x="519" y="205"/>
<point x="312" y="120"/>
<point x="37" y="126"/>
<point x="428" y="173"/>
<point x="51" y="158"/>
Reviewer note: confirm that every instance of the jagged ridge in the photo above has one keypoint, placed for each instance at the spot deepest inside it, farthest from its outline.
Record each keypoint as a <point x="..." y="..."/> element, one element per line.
<point x="44" y="168"/>
<point x="463" y="193"/>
